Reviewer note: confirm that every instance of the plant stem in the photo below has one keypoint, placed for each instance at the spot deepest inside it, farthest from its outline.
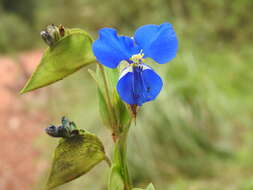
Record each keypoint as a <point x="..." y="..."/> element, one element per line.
<point x="123" y="151"/>
<point x="120" y="149"/>
<point x="121" y="159"/>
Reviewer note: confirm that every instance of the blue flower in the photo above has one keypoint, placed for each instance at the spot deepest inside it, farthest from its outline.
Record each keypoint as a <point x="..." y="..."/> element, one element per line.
<point x="138" y="83"/>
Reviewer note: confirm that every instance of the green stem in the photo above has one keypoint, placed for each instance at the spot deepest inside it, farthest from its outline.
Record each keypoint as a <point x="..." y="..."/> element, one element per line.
<point x="121" y="159"/>
<point x="120" y="149"/>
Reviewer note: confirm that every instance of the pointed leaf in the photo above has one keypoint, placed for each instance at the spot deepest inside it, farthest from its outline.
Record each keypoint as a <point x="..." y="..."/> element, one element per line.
<point x="102" y="102"/>
<point x="122" y="113"/>
<point x="121" y="116"/>
<point x="75" y="156"/>
<point x="65" y="57"/>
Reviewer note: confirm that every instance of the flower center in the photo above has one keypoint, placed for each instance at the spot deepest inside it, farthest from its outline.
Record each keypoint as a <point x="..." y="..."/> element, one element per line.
<point x="137" y="58"/>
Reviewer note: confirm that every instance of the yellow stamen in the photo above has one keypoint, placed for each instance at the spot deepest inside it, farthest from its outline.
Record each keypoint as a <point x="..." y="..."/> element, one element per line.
<point x="137" y="58"/>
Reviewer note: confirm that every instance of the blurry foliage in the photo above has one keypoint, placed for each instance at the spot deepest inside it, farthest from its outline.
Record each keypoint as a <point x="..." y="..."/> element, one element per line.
<point x="199" y="122"/>
<point x="16" y="25"/>
<point x="24" y="9"/>
<point x="226" y="21"/>
<point x="14" y="33"/>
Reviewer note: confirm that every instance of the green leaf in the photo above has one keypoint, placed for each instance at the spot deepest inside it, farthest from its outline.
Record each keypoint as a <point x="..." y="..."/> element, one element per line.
<point x="121" y="116"/>
<point x="75" y="156"/>
<point x="65" y="57"/>
<point x="122" y="113"/>
<point x="103" y="106"/>
<point x="115" y="180"/>
<point x="103" y="109"/>
<point x="150" y="187"/>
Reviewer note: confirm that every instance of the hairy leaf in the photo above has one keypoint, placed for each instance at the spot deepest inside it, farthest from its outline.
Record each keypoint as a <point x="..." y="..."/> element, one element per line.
<point x="75" y="156"/>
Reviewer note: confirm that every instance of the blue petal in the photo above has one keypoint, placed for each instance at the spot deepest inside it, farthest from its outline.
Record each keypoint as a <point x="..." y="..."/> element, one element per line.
<point x="139" y="84"/>
<point x="158" y="42"/>
<point x="110" y="48"/>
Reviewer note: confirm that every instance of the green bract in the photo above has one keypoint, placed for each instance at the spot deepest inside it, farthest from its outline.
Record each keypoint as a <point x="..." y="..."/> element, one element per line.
<point x="75" y="156"/>
<point x="66" y="56"/>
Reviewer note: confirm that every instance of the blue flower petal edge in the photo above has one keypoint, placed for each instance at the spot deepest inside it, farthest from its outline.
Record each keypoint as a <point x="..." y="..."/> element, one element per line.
<point x="158" y="42"/>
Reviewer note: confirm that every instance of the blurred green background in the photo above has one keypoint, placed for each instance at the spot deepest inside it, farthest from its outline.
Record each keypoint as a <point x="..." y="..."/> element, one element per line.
<point x="198" y="134"/>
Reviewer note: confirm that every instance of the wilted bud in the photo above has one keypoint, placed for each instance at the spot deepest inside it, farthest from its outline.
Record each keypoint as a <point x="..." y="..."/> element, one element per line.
<point x="52" y="34"/>
<point x="52" y="131"/>
<point x="67" y="129"/>
<point x="47" y="38"/>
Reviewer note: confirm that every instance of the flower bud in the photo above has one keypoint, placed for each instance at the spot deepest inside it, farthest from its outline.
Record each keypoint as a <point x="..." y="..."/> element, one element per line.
<point x="66" y="130"/>
<point x="52" y="34"/>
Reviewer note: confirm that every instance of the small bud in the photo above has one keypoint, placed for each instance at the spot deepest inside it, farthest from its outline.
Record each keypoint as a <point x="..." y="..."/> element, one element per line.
<point x="47" y="38"/>
<point x="53" y="31"/>
<point x="52" y="131"/>
<point x="66" y="130"/>
<point x="52" y="34"/>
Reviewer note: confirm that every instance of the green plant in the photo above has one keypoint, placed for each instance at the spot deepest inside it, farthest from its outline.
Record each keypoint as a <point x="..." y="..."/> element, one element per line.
<point x="120" y="95"/>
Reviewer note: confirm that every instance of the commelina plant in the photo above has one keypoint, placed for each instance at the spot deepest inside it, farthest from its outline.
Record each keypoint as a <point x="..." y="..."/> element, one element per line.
<point x="125" y="81"/>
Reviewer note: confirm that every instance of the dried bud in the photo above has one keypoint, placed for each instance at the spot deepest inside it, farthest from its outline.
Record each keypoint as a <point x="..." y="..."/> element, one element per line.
<point x="52" y="131"/>
<point x="52" y="34"/>
<point x="67" y="129"/>
<point x="47" y="38"/>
